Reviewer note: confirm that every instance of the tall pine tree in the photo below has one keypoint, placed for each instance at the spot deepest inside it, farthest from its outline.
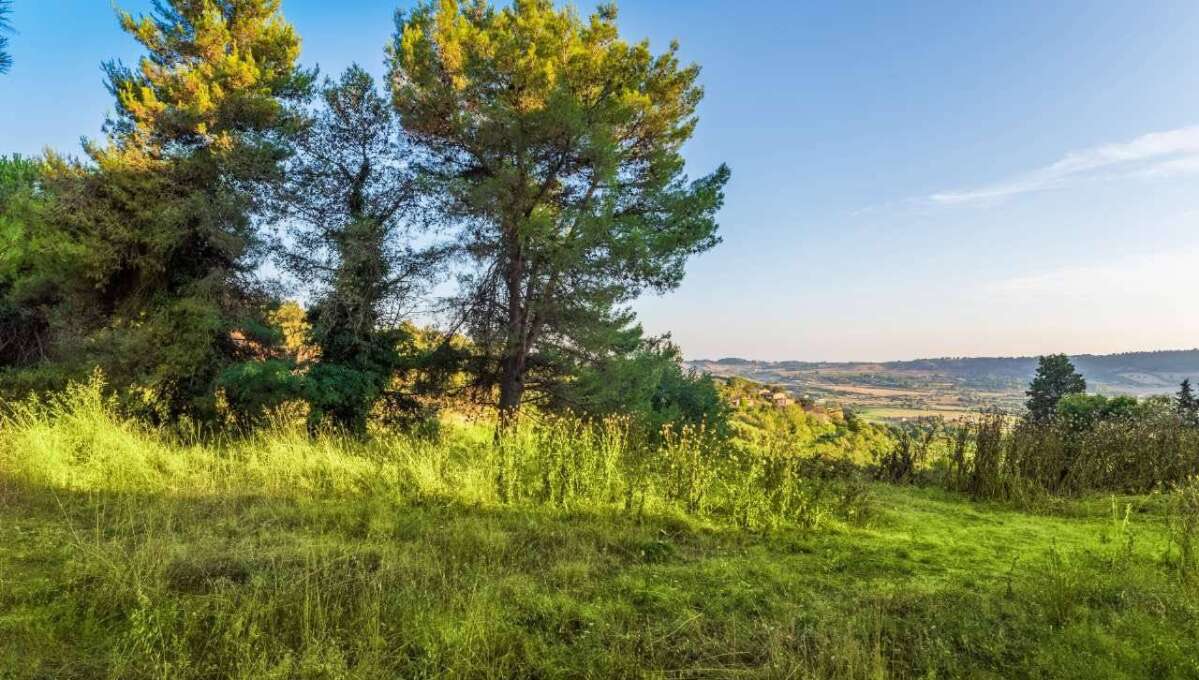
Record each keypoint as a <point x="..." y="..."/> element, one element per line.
<point x="347" y="194"/>
<point x="556" y="147"/>
<point x="165" y="215"/>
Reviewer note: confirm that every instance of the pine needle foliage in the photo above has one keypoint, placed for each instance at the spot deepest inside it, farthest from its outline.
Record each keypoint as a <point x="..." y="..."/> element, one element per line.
<point x="164" y="217"/>
<point x="555" y="146"/>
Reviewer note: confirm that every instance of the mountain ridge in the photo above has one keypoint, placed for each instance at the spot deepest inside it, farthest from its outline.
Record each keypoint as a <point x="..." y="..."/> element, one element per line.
<point x="1192" y="353"/>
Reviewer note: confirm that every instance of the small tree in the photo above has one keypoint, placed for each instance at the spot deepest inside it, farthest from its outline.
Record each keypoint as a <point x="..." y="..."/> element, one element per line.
<point x="555" y="146"/>
<point x="1055" y="378"/>
<point x="1187" y="404"/>
<point x="347" y="189"/>
<point x="648" y="383"/>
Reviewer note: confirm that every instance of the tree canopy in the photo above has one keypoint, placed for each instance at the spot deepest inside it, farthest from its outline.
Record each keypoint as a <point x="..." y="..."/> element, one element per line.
<point x="164" y="214"/>
<point x="554" y="146"/>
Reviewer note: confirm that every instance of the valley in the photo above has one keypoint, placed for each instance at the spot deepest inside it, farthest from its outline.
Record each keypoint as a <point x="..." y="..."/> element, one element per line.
<point x="952" y="388"/>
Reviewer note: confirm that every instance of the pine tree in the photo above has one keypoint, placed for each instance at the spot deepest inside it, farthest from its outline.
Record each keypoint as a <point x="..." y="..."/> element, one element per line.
<point x="164" y="218"/>
<point x="1055" y="378"/>
<point x="346" y="197"/>
<point x="1188" y="404"/>
<point x="5" y="27"/>
<point x="555" y="147"/>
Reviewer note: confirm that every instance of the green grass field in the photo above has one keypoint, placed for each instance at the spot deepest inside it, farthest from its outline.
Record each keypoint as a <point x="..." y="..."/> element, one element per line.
<point x="125" y="555"/>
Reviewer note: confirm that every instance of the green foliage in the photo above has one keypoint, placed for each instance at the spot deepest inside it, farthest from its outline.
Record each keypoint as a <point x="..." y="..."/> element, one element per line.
<point x="253" y="388"/>
<point x="1055" y="379"/>
<point x="26" y="271"/>
<point x="157" y="286"/>
<point x="18" y="175"/>
<point x="343" y="393"/>
<point x="795" y="431"/>
<point x="1083" y="411"/>
<point x="216" y="80"/>
<point x="556" y="146"/>
<point x="650" y="385"/>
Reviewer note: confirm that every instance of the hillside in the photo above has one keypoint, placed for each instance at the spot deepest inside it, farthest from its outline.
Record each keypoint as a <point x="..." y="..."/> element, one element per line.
<point x="952" y="386"/>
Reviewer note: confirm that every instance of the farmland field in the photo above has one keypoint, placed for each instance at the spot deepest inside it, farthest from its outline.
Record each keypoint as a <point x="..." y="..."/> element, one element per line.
<point x="950" y="388"/>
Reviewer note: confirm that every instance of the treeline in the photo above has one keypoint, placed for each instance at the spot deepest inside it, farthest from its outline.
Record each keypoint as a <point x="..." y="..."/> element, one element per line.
<point x="523" y="157"/>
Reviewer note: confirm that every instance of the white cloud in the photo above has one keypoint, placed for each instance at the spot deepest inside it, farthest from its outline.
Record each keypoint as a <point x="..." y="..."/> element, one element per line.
<point x="1150" y="156"/>
<point x="1148" y="280"/>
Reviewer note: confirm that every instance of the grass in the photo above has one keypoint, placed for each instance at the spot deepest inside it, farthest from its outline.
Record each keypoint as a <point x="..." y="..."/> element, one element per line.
<point x="128" y="554"/>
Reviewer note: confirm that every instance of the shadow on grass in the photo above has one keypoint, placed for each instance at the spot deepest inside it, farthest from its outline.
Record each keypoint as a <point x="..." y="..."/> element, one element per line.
<point x="374" y="585"/>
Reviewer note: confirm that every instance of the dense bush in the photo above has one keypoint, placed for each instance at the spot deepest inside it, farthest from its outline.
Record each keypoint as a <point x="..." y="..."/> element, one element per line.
<point x="648" y="384"/>
<point x="1095" y="444"/>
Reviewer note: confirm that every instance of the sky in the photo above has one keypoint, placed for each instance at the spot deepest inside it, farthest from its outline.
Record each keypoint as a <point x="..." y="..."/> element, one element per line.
<point x="910" y="179"/>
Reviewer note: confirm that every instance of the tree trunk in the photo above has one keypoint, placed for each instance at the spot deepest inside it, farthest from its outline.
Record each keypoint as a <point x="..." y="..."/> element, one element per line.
<point x="516" y="348"/>
<point x="512" y="387"/>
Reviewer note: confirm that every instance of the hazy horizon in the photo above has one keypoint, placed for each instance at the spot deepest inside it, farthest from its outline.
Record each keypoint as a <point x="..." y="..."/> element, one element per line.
<point x="1006" y="179"/>
<point x="933" y="357"/>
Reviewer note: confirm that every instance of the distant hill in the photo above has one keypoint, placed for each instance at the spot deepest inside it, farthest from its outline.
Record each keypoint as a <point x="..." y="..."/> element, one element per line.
<point x="1132" y="372"/>
<point x="1139" y="372"/>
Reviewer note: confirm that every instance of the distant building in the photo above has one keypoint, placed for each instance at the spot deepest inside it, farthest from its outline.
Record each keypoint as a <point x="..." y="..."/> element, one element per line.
<point x="780" y="399"/>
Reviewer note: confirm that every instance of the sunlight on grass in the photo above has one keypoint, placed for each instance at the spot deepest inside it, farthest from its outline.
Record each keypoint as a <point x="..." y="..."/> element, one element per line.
<point x="128" y="554"/>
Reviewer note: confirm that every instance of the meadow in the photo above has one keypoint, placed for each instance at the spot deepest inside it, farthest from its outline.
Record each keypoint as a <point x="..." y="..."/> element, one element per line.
<point x="566" y="551"/>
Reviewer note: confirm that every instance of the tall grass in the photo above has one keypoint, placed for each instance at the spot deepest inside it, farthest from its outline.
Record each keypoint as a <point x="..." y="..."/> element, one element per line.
<point x="77" y="441"/>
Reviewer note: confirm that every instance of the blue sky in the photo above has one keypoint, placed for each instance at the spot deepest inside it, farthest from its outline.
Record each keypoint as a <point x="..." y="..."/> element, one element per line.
<point x="909" y="179"/>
